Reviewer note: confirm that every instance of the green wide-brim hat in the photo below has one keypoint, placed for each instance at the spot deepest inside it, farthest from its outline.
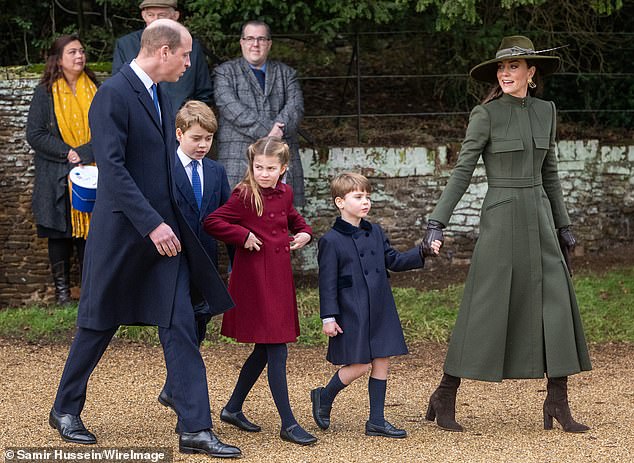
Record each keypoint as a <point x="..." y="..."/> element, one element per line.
<point x="515" y="47"/>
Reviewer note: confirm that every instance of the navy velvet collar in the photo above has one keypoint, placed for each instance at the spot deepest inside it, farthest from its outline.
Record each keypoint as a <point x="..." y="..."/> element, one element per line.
<point x="348" y="229"/>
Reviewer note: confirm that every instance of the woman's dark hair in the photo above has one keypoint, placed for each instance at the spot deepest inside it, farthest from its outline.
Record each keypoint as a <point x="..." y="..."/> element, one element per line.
<point x="496" y="91"/>
<point x="52" y="69"/>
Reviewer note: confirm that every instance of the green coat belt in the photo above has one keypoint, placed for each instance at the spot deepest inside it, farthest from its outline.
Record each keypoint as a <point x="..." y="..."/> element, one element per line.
<point x="519" y="316"/>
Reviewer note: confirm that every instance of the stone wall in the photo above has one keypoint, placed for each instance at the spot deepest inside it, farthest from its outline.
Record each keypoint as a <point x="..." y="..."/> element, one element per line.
<point x="597" y="181"/>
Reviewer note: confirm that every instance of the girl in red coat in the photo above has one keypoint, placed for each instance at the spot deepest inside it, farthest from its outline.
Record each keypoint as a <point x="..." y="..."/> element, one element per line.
<point x="257" y="220"/>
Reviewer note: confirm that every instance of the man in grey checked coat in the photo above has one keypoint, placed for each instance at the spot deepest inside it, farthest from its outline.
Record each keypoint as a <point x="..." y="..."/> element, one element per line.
<point x="256" y="98"/>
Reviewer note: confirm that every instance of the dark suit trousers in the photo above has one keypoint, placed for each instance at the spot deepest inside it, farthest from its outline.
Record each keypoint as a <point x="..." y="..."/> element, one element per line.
<point x="185" y="368"/>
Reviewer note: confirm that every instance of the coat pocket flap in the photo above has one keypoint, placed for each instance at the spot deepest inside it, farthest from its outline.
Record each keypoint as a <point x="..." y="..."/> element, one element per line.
<point x="344" y="281"/>
<point x="542" y="143"/>
<point x="500" y="146"/>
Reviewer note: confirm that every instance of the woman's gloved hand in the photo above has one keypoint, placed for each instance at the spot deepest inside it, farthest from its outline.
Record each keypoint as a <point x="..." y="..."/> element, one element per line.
<point x="434" y="232"/>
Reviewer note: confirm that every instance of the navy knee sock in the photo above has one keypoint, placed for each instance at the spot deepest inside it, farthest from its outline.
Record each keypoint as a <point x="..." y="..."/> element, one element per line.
<point x="249" y="374"/>
<point x="331" y="390"/>
<point x="376" y="390"/>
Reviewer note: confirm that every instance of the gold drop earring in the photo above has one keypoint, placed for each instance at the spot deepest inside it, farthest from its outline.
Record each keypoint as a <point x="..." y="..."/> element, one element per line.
<point x="531" y="84"/>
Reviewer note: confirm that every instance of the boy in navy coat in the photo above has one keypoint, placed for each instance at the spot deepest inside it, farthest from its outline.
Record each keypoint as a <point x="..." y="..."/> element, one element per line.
<point x="198" y="192"/>
<point x="356" y="303"/>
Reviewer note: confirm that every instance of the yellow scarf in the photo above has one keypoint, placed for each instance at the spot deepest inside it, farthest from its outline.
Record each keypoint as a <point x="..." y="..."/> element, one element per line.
<point x="71" y="112"/>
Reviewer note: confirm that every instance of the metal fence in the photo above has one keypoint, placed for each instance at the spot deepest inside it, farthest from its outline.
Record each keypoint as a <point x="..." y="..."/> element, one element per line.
<point x="354" y="99"/>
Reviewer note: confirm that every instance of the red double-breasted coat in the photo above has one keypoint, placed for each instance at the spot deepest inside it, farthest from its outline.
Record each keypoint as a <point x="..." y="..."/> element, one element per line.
<point x="261" y="282"/>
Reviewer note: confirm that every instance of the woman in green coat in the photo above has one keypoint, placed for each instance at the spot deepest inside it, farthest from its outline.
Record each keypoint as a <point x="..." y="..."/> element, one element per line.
<point x="519" y="316"/>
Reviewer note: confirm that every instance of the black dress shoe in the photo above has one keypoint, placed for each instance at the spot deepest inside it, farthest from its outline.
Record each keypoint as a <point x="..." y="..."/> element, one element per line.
<point x="321" y="415"/>
<point x="206" y="442"/>
<point x="166" y="400"/>
<point x="387" y="430"/>
<point x="238" y="419"/>
<point x="70" y="428"/>
<point x="291" y="434"/>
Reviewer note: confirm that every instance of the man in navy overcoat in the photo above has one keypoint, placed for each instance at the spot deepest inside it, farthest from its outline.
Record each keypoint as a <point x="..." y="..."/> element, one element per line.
<point x="134" y="271"/>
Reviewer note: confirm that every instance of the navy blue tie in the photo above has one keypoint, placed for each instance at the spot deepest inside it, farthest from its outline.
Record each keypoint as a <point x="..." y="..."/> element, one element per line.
<point x="197" y="187"/>
<point x="155" y="98"/>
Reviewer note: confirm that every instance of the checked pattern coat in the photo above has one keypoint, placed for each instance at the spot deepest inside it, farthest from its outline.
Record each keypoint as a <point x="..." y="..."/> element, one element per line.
<point x="247" y="113"/>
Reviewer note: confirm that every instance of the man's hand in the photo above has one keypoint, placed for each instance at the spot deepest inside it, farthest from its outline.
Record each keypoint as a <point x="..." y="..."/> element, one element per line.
<point x="277" y="130"/>
<point x="332" y="329"/>
<point x="166" y="242"/>
<point x="252" y="243"/>
<point x="429" y="247"/>
<point x="300" y="240"/>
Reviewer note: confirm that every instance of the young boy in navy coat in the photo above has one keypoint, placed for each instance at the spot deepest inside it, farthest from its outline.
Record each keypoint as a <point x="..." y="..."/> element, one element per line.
<point x="356" y="303"/>
<point x="198" y="193"/>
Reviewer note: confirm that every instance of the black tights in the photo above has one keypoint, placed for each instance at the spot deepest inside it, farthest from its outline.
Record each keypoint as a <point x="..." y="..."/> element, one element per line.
<point x="275" y="356"/>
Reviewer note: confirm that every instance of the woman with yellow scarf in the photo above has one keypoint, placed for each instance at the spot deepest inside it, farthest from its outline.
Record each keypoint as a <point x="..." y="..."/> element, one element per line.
<point x="58" y="132"/>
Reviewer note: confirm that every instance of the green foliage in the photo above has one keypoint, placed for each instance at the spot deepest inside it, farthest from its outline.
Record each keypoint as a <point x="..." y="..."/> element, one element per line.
<point x="606" y="305"/>
<point x="35" y="323"/>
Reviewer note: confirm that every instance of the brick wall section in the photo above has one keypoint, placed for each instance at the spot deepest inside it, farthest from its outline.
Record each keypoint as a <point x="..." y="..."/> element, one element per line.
<point x="597" y="181"/>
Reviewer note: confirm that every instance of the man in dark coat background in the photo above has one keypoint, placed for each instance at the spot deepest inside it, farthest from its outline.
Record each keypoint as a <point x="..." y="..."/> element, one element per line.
<point x="135" y="272"/>
<point x="195" y="84"/>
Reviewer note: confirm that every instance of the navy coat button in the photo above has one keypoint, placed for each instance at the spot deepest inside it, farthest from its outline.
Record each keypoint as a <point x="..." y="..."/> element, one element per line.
<point x="366" y="272"/>
<point x="361" y="254"/>
<point x="367" y="234"/>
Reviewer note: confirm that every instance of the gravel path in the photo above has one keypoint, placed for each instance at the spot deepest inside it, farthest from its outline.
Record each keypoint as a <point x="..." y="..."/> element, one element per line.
<point x="503" y="420"/>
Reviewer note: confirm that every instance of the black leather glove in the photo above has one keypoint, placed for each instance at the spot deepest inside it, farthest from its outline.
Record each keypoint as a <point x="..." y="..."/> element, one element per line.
<point x="434" y="232"/>
<point x="567" y="243"/>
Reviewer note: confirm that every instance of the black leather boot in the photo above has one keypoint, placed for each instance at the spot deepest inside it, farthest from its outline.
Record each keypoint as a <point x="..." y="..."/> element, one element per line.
<point x="61" y="281"/>
<point x="442" y="404"/>
<point x="556" y="406"/>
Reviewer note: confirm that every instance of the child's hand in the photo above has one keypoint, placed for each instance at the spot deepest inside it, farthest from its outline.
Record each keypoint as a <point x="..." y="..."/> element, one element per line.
<point x="300" y="240"/>
<point x="332" y="329"/>
<point x="252" y="242"/>
<point x="435" y="246"/>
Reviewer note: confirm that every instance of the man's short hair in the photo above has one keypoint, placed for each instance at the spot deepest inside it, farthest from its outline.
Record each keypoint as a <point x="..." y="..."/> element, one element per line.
<point x="346" y="182"/>
<point x="255" y="22"/>
<point x="196" y="112"/>
<point x="161" y="33"/>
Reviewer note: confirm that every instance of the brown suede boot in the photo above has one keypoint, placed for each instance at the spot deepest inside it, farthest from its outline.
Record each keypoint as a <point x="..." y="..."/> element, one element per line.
<point x="556" y="406"/>
<point x="442" y="404"/>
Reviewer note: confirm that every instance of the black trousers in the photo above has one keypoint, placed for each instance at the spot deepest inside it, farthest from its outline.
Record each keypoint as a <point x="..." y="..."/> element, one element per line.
<point x="185" y="368"/>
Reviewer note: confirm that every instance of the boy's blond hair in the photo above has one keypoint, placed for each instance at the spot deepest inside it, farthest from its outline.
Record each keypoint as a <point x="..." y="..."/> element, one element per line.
<point x="196" y="112"/>
<point x="346" y="182"/>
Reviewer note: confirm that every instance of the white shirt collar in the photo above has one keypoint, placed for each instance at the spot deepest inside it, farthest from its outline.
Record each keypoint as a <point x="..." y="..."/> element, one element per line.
<point x="185" y="160"/>
<point x="147" y="80"/>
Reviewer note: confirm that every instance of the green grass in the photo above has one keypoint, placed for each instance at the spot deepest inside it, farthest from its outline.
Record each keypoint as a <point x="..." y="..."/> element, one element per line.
<point x="606" y="302"/>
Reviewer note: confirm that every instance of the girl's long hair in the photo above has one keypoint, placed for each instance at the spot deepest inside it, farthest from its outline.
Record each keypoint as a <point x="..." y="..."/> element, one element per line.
<point x="496" y="91"/>
<point x="249" y="188"/>
<point x="52" y="69"/>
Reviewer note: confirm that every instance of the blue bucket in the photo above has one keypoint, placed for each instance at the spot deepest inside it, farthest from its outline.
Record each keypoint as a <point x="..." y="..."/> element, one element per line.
<point x="83" y="187"/>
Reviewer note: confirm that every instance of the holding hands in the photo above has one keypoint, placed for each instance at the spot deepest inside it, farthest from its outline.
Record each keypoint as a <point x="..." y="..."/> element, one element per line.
<point x="433" y="240"/>
<point x="331" y="329"/>
<point x="300" y="240"/>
